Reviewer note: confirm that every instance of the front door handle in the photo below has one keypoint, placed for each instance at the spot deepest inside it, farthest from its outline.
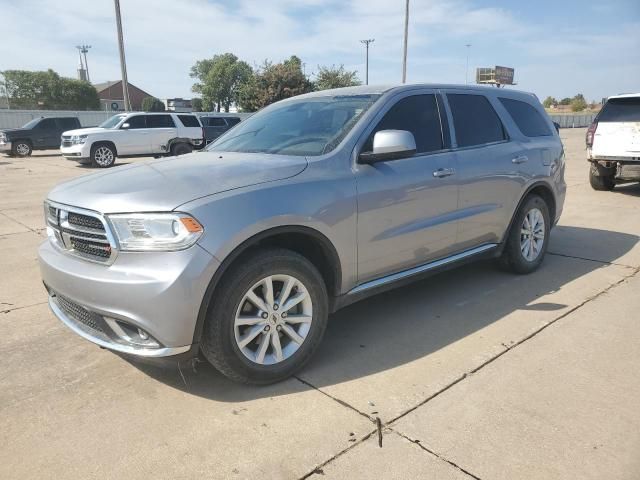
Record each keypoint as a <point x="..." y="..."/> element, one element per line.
<point x="520" y="159"/>
<point x="443" y="172"/>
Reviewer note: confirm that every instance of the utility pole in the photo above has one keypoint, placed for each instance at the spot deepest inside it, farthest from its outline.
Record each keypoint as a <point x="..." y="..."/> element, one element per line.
<point x="366" y="68"/>
<point x="406" y="37"/>
<point x="82" y="50"/>
<point x="466" y="71"/>
<point x="123" y="63"/>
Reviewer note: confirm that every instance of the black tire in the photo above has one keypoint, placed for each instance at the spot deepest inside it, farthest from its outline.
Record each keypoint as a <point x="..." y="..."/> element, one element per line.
<point x="103" y="155"/>
<point x="219" y="343"/>
<point x="21" y="148"/>
<point x="602" y="178"/>
<point x="180" y="149"/>
<point x="512" y="258"/>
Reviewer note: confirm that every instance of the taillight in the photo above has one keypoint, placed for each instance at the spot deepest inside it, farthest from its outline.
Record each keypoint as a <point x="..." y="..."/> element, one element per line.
<point x="591" y="131"/>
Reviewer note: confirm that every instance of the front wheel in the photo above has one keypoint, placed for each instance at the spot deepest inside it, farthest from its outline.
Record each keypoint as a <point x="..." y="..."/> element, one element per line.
<point x="267" y="318"/>
<point x="103" y="156"/>
<point x="527" y="241"/>
<point x="180" y="149"/>
<point x="21" y="148"/>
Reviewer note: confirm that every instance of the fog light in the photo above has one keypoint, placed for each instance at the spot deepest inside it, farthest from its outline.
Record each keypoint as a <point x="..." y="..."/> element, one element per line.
<point x="131" y="335"/>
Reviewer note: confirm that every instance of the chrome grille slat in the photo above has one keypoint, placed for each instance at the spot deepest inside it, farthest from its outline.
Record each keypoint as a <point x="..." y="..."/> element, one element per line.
<point x="81" y="232"/>
<point x="78" y="313"/>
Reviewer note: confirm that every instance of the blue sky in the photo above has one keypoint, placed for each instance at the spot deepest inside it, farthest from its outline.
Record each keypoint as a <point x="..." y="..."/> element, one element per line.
<point x="558" y="48"/>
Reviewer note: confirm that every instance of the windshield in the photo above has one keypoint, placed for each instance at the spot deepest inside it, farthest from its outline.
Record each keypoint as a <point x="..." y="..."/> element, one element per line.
<point x="31" y="123"/>
<point x="309" y="126"/>
<point x="112" y="121"/>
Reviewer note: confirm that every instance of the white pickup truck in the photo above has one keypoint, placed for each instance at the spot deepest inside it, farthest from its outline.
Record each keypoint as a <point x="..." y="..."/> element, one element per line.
<point x="613" y="143"/>
<point x="133" y="135"/>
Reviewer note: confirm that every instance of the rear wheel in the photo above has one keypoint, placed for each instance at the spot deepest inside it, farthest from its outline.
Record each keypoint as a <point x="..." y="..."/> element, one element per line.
<point x="21" y="148"/>
<point x="103" y="155"/>
<point x="528" y="238"/>
<point x="602" y="178"/>
<point x="267" y="318"/>
<point x="180" y="149"/>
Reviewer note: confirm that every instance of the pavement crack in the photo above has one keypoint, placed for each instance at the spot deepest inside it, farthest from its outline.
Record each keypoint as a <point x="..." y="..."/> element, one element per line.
<point x="589" y="259"/>
<point x="8" y="310"/>
<point x="318" y="469"/>
<point x="508" y="348"/>
<point x="341" y="402"/>
<point x="437" y="455"/>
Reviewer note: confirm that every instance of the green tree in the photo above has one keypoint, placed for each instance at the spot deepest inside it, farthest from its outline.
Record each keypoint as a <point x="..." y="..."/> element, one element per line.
<point x="220" y="79"/>
<point x="335" y="77"/>
<point x="565" y="101"/>
<point x="196" y="104"/>
<point x="549" y="102"/>
<point x="273" y="82"/>
<point x="152" y="104"/>
<point x="47" y="90"/>
<point x="578" y="103"/>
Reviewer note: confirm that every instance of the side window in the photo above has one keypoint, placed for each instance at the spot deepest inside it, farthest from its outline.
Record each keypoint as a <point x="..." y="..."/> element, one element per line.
<point x="528" y="119"/>
<point x="47" y="124"/>
<point x="160" y="121"/>
<point x="67" y="123"/>
<point x="233" y="121"/>
<point x="137" y="121"/>
<point x="189" y="120"/>
<point x="217" y="122"/>
<point x="475" y="120"/>
<point x="419" y="115"/>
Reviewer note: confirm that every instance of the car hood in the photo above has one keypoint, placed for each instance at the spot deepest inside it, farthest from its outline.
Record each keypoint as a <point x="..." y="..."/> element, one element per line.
<point x="84" y="131"/>
<point x="12" y="132"/>
<point x="165" y="184"/>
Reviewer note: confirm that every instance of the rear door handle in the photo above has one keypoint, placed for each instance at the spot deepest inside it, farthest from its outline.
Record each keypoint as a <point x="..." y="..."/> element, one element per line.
<point x="443" y="172"/>
<point x="520" y="159"/>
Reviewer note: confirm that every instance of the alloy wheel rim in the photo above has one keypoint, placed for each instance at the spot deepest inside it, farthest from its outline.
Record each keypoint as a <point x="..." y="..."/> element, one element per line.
<point x="532" y="233"/>
<point x="273" y="319"/>
<point x="22" y="149"/>
<point x="103" y="156"/>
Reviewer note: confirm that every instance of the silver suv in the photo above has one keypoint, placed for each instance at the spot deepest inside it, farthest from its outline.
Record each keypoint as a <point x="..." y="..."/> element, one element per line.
<point x="242" y="251"/>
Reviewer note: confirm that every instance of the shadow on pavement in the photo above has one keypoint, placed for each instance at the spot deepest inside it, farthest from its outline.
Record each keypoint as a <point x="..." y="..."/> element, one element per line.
<point x="628" y="189"/>
<point x="403" y="325"/>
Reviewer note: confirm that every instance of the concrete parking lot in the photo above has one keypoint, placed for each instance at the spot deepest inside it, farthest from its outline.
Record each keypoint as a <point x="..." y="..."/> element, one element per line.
<point x="474" y="373"/>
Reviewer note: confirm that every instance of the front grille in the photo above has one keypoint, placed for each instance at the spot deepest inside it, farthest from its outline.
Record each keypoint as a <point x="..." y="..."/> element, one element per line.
<point x="78" y="313"/>
<point x="66" y="141"/>
<point x="93" y="249"/>
<point x="85" y="221"/>
<point x="83" y="234"/>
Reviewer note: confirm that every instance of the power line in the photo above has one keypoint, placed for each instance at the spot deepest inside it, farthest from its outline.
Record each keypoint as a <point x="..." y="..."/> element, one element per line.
<point x="366" y="68"/>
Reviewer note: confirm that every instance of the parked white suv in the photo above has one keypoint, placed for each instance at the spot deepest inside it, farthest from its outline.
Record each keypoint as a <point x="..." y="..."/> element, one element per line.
<point x="613" y="142"/>
<point x="132" y="135"/>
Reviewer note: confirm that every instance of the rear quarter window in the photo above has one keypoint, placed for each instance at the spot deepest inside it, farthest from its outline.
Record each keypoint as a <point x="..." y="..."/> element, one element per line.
<point x="189" y="120"/>
<point x="475" y="120"/>
<point x="621" y="110"/>
<point x="526" y="117"/>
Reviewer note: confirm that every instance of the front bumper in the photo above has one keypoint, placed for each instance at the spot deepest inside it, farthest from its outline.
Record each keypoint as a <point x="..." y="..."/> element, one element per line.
<point x="5" y="147"/>
<point x="158" y="292"/>
<point x="76" y="152"/>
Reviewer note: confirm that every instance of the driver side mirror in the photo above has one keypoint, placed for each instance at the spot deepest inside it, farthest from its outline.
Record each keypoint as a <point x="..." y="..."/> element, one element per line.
<point x="124" y="126"/>
<point x="389" y="145"/>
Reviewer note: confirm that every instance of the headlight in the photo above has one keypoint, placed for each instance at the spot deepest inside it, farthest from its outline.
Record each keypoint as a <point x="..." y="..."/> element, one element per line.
<point x="78" y="139"/>
<point x="155" y="231"/>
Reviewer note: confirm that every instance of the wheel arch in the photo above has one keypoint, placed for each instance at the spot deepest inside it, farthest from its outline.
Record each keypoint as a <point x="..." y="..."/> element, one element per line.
<point x="308" y="242"/>
<point x="543" y="190"/>
<point x="109" y="143"/>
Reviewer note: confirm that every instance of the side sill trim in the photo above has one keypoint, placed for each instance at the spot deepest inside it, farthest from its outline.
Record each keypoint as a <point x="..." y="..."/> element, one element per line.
<point x="421" y="269"/>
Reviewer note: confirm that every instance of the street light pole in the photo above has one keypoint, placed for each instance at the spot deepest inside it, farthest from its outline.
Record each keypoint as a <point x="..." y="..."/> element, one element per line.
<point x="123" y="64"/>
<point x="466" y="71"/>
<point x="406" y="36"/>
<point x="366" y="68"/>
<point x="85" y="49"/>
